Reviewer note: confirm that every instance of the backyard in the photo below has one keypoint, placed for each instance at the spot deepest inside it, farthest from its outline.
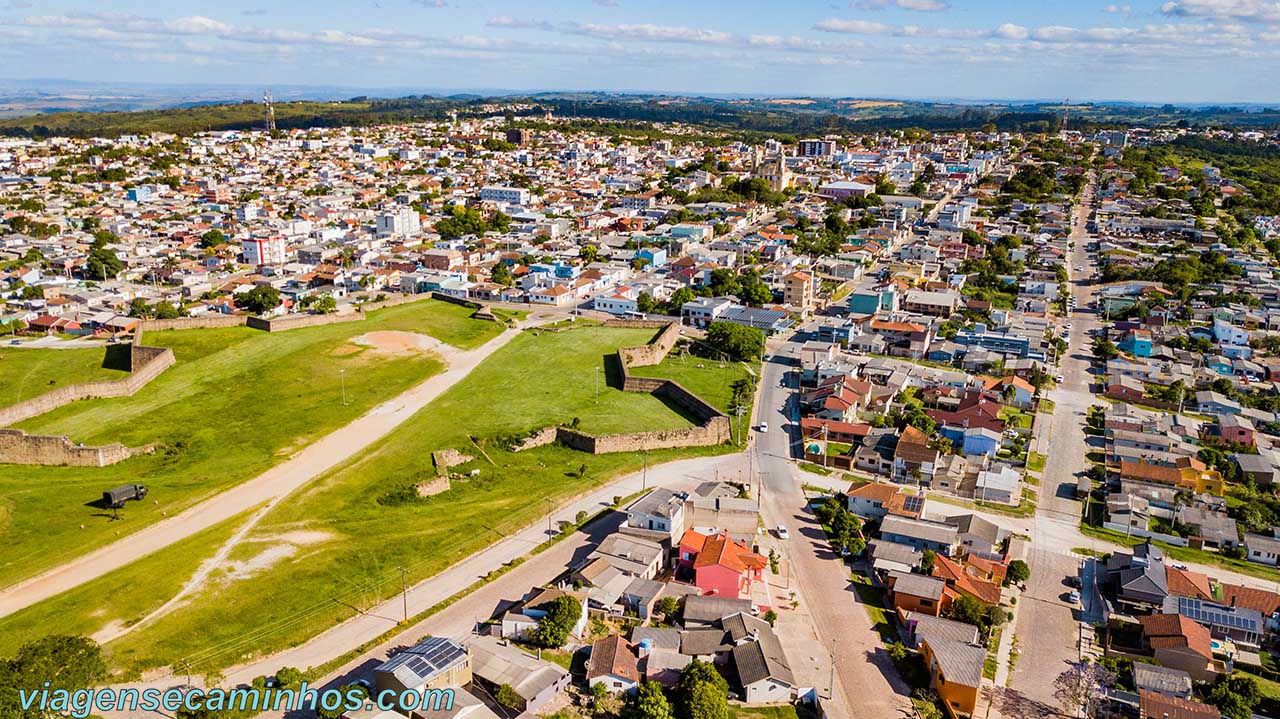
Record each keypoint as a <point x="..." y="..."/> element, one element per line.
<point x="236" y="402"/>
<point x="364" y="521"/>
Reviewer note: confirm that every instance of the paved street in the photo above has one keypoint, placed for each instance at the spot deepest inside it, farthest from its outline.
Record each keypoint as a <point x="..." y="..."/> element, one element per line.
<point x="866" y="683"/>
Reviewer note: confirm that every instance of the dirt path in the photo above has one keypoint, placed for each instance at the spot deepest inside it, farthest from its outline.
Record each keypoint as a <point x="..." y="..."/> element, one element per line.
<point x="270" y="486"/>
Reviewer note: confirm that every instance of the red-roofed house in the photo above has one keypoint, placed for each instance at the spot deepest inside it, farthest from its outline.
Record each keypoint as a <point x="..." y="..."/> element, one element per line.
<point x="1180" y="643"/>
<point x="720" y="565"/>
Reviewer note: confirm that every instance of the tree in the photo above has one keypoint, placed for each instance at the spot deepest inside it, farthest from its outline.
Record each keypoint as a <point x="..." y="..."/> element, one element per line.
<point x="706" y="701"/>
<point x="1235" y="696"/>
<point x="703" y="693"/>
<point x="166" y="310"/>
<point x="1105" y="349"/>
<point x="1018" y="572"/>
<point x="678" y="299"/>
<point x="554" y="629"/>
<point x="139" y="308"/>
<point x="260" y="299"/>
<point x="508" y="697"/>
<point x="771" y="617"/>
<point x="501" y="274"/>
<point x="212" y="239"/>
<point x="347" y="690"/>
<point x="287" y="677"/>
<point x="645" y="303"/>
<point x="927" y="559"/>
<point x="667" y="606"/>
<point x="651" y="702"/>
<point x="589" y="253"/>
<point x="64" y="661"/>
<point x="102" y="264"/>
<point x="737" y="341"/>
<point x="1082" y="686"/>
<point x="325" y="305"/>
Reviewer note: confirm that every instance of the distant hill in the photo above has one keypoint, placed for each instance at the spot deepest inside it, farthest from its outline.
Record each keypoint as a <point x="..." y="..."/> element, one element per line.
<point x="793" y="116"/>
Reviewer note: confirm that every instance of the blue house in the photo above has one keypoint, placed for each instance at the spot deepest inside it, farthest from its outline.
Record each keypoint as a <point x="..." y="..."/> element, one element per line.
<point x="1137" y="343"/>
<point x="567" y="272"/>
<point x="1219" y="364"/>
<point x="980" y="440"/>
<point x="869" y="302"/>
<point x="972" y="441"/>
<point x="139" y="194"/>
<point x="655" y="256"/>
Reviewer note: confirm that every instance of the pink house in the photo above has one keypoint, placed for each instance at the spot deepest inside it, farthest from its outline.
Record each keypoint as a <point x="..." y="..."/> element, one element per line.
<point x="720" y="565"/>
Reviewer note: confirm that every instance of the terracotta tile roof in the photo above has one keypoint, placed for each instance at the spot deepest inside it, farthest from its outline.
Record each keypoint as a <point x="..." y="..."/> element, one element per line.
<point x="1153" y="705"/>
<point x="718" y="549"/>
<point x="612" y="656"/>
<point x="1174" y="631"/>
<point x="957" y="578"/>
<point x="1250" y="598"/>
<point x="1185" y="583"/>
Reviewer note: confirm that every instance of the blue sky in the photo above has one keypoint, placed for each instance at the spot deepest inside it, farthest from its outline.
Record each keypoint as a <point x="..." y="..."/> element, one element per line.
<point x="1151" y="51"/>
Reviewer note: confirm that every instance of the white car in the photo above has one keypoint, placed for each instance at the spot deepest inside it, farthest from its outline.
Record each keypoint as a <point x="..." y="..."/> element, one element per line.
<point x="783" y="534"/>
<point x="764" y="426"/>
<point x="1059" y="379"/>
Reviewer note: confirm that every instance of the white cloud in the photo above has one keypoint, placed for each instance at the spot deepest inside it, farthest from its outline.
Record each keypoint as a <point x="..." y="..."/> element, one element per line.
<point x="855" y="27"/>
<point x="1009" y="31"/>
<point x="1118" y="9"/>
<point x="518" y="23"/>
<point x="923" y="5"/>
<point x="1260" y="10"/>
<point x="650" y="32"/>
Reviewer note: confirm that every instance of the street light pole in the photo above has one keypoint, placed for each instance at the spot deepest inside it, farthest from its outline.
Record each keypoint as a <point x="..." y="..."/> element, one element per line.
<point x="549" y="535"/>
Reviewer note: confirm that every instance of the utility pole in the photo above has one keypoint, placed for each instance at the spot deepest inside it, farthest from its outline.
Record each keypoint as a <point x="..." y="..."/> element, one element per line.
<point x="404" y="593"/>
<point x="549" y="534"/>
<point x="187" y="666"/>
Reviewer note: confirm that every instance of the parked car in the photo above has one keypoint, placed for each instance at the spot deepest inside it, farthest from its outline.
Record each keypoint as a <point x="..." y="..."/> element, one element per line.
<point x="1074" y="596"/>
<point x="764" y="426"/>
<point x="783" y="534"/>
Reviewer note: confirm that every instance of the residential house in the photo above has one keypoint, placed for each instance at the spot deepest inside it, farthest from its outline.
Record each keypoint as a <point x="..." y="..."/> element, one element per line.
<point x="907" y="592"/>
<point x="720" y="565"/>
<point x="537" y="683"/>
<point x="913" y="458"/>
<point x="875" y="500"/>
<point x="660" y="512"/>
<point x="613" y="664"/>
<point x="1178" y="642"/>
<point x="1161" y="680"/>
<point x="1263" y="548"/>
<point x="921" y="534"/>
<point x="1154" y="705"/>
<point x="433" y="663"/>
<point x="761" y="666"/>
<point x="955" y="672"/>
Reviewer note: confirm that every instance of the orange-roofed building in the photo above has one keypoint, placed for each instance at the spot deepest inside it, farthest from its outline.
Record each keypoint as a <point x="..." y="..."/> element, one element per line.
<point x="960" y="583"/>
<point x="720" y="566"/>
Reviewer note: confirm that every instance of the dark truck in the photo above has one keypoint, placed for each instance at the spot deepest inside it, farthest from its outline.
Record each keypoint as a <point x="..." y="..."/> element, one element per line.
<point x="115" y="498"/>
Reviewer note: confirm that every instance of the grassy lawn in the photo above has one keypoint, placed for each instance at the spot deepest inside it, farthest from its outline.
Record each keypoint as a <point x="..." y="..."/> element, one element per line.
<point x="537" y="380"/>
<point x="237" y="402"/>
<point x="30" y="372"/>
<point x="1186" y="554"/>
<point x="871" y="598"/>
<point x="992" y="662"/>
<point x="1046" y="406"/>
<point x="1036" y="462"/>
<point x="1024" y="509"/>
<point x="814" y="468"/>
<point x="704" y="377"/>
<point x="784" y="711"/>
<point x="121" y="598"/>
<point x="1015" y="418"/>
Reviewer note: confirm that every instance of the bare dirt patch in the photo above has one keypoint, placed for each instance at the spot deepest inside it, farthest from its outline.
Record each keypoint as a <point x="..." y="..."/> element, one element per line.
<point x="398" y="343"/>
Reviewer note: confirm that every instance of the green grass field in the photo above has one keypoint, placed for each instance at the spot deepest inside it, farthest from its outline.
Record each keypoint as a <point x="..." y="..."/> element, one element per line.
<point x="120" y="598"/>
<point x="709" y="379"/>
<point x="236" y="402"/>
<point x="28" y="372"/>
<point x="539" y="379"/>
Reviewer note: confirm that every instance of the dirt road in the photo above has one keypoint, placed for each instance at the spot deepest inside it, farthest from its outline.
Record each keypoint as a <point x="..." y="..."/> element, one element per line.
<point x="270" y="486"/>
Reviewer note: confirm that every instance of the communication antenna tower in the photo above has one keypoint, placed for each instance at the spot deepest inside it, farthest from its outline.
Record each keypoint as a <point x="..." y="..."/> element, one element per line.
<point x="271" y="111"/>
